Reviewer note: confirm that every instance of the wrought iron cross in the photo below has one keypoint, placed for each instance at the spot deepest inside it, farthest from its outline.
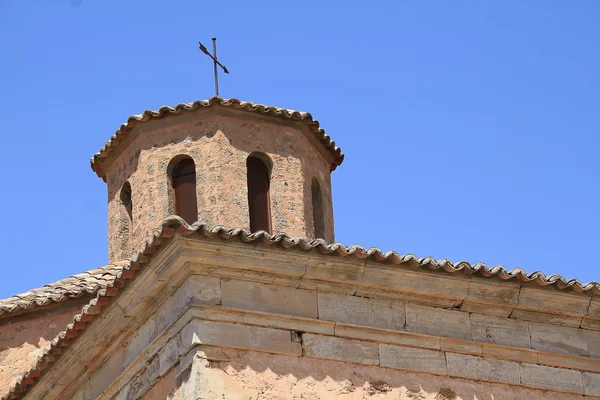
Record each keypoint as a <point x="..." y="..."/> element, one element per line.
<point x="216" y="62"/>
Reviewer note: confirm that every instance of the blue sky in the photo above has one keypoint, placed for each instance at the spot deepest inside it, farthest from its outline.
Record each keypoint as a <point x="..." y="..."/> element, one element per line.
<point x="470" y="129"/>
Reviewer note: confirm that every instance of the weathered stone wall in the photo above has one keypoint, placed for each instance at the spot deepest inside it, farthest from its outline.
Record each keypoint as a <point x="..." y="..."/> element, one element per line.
<point x="219" y="146"/>
<point x="252" y="375"/>
<point x="330" y="345"/>
<point x="281" y="323"/>
<point x="22" y="340"/>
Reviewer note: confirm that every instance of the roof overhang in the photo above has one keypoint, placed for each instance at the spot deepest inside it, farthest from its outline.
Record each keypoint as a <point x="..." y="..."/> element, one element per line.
<point x="179" y="250"/>
<point x="121" y="135"/>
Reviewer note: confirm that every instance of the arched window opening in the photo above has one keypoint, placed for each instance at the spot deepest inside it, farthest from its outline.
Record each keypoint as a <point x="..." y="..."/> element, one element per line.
<point x="126" y="200"/>
<point x="128" y="205"/>
<point x="184" y="190"/>
<point x="317" y="207"/>
<point x="258" y="195"/>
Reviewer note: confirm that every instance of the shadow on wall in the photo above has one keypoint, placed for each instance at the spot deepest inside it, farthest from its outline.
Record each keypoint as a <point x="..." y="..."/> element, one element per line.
<point x="286" y="377"/>
<point x="21" y="341"/>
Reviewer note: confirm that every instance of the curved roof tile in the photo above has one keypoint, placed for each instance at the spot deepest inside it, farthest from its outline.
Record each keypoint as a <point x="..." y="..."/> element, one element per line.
<point x="76" y="286"/>
<point x="173" y="225"/>
<point x="306" y="118"/>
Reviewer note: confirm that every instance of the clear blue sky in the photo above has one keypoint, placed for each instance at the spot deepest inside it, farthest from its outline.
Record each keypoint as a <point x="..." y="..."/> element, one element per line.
<point x="471" y="129"/>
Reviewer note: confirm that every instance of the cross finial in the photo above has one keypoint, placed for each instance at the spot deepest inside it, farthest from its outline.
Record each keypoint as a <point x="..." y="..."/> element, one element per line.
<point x="216" y="62"/>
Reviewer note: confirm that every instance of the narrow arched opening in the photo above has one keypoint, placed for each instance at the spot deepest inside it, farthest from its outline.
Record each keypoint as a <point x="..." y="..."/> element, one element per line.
<point x="258" y="178"/>
<point x="317" y="209"/>
<point x="183" y="180"/>
<point x="127" y="203"/>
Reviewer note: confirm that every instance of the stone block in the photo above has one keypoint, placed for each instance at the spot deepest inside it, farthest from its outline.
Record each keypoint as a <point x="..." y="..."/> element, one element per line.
<point x="594" y="308"/>
<point x="377" y="313"/>
<point x="334" y="348"/>
<point x="141" y="382"/>
<point x="540" y="376"/>
<point x="491" y="297"/>
<point x="170" y="353"/>
<point x="488" y="369"/>
<point x="258" y="318"/>
<point x="498" y="330"/>
<point x="387" y="336"/>
<point x="240" y="336"/>
<point x="553" y="301"/>
<point x="544" y="317"/>
<point x="333" y="274"/>
<point x="106" y="375"/>
<point x="461" y="346"/>
<point x="558" y="339"/>
<point x="438" y="288"/>
<point x="197" y="290"/>
<point x="437" y="321"/>
<point x="253" y="265"/>
<point x="510" y="353"/>
<point x="593" y="340"/>
<point x="592" y="320"/>
<point x="412" y="359"/>
<point x="141" y="339"/>
<point x="269" y="298"/>
<point x="591" y="383"/>
<point x="568" y="361"/>
<point x="591" y="323"/>
<point x="204" y="290"/>
<point x="327" y="286"/>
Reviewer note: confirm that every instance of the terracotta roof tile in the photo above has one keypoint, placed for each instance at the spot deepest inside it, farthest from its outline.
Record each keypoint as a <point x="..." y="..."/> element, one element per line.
<point x="69" y="288"/>
<point x="173" y="225"/>
<point x="233" y="103"/>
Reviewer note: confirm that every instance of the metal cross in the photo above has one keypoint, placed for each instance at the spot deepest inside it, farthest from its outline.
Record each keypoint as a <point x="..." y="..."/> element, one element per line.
<point x="216" y="62"/>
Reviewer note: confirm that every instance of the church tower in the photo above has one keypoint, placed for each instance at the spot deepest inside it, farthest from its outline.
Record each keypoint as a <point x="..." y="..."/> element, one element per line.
<point x="218" y="162"/>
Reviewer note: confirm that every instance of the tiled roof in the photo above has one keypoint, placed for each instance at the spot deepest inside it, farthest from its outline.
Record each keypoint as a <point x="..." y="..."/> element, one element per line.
<point x="72" y="287"/>
<point x="236" y="104"/>
<point x="173" y="225"/>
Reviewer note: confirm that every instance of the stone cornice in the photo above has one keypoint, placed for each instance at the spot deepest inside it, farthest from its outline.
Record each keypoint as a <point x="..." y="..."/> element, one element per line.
<point x="407" y="283"/>
<point x="180" y="250"/>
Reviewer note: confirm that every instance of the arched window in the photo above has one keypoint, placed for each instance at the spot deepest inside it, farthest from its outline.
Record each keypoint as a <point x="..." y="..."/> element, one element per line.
<point x="184" y="190"/>
<point x="126" y="200"/>
<point x="317" y="207"/>
<point x="128" y="205"/>
<point x="258" y="195"/>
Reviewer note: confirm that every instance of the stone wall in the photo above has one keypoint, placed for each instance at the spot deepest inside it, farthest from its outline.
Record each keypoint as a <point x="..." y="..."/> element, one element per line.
<point x="24" y="338"/>
<point x="212" y="317"/>
<point x="325" y="345"/>
<point x="219" y="146"/>
<point x="253" y="375"/>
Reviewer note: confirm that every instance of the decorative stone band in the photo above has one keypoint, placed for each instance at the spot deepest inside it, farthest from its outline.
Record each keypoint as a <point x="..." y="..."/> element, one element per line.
<point x="219" y="327"/>
<point x="366" y="334"/>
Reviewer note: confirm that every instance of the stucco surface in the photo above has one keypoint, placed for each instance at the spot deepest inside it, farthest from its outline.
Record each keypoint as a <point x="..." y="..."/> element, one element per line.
<point x="219" y="146"/>
<point x="252" y="375"/>
<point x="22" y="341"/>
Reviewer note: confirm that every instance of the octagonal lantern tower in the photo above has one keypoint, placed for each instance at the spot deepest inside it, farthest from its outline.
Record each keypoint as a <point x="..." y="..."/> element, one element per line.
<point x="218" y="162"/>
